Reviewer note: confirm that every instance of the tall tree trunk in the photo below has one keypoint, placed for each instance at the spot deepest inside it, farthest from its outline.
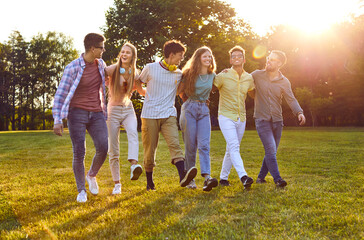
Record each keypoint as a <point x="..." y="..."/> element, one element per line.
<point x="20" y="106"/>
<point x="44" y="112"/>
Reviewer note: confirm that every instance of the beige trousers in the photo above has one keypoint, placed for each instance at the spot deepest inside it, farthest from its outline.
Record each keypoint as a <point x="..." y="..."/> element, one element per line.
<point x="150" y="136"/>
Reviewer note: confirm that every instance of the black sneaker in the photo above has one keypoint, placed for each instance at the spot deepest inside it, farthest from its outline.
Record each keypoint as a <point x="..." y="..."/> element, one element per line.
<point x="224" y="183"/>
<point x="281" y="183"/>
<point x="209" y="184"/>
<point x="259" y="180"/>
<point x="247" y="181"/>
<point x="150" y="187"/>
<point x="189" y="176"/>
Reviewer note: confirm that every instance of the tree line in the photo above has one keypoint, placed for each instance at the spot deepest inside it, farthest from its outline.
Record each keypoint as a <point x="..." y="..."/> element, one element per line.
<point x="326" y="70"/>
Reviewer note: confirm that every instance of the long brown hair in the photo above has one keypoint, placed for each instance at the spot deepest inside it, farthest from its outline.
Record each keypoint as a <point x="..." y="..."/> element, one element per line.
<point x="115" y="79"/>
<point x="192" y="69"/>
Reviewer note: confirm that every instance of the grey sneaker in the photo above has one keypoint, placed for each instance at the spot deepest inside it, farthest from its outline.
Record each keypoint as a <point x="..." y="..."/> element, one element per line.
<point x="192" y="185"/>
<point x="209" y="184"/>
<point x="135" y="171"/>
<point x="189" y="176"/>
<point x="224" y="183"/>
<point x="247" y="181"/>
<point x="260" y="181"/>
<point x="82" y="197"/>
<point x="92" y="184"/>
<point x="281" y="183"/>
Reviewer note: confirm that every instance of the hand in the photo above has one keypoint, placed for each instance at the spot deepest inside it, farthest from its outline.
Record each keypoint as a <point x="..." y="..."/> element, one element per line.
<point x="301" y="119"/>
<point x="58" y="129"/>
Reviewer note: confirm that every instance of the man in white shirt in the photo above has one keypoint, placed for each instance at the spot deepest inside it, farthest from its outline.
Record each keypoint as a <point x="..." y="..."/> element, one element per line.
<point x="159" y="113"/>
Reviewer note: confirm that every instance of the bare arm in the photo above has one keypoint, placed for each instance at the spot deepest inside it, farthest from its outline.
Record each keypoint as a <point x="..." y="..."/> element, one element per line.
<point x="181" y="88"/>
<point x="138" y="86"/>
<point x="252" y="93"/>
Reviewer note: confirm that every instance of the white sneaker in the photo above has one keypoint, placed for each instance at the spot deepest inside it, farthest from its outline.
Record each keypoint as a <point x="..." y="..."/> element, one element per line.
<point x="192" y="185"/>
<point x="117" y="189"/>
<point x="92" y="184"/>
<point x="135" y="171"/>
<point x="82" y="197"/>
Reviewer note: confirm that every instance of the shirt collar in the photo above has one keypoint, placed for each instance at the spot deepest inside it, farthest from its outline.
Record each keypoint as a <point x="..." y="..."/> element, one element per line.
<point x="276" y="79"/>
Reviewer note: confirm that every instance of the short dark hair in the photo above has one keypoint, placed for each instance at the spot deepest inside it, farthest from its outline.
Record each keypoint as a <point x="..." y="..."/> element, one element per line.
<point x="173" y="46"/>
<point x="281" y="56"/>
<point x="92" y="40"/>
<point x="237" y="49"/>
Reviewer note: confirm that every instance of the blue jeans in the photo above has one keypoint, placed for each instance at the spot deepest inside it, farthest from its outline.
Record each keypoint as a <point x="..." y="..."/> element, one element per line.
<point x="79" y="121"/>
<point x="270" y="134"/>
<point x="196" y="132"/>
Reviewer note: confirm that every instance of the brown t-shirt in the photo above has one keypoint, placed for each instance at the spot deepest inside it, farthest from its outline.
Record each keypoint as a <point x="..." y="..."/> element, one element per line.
<point x="87" y="95"/>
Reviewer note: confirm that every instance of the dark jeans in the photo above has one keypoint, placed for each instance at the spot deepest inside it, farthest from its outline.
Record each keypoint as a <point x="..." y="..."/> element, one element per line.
<point x="79" y="121"/>
<point x="270" y="134"/>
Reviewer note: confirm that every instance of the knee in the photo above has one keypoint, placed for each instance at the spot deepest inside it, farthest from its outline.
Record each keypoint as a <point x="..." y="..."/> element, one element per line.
<point x="102" y="148"/>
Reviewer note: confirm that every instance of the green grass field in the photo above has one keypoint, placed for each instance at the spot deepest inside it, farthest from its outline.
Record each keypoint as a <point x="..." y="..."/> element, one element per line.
<point x="324" y="198"/>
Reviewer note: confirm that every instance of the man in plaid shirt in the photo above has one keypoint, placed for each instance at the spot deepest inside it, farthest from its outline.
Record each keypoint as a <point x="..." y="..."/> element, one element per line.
<point x="80" y="98"/>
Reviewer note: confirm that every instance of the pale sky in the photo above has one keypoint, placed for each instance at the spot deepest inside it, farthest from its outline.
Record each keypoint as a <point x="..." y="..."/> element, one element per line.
<point x="76" y="18"/>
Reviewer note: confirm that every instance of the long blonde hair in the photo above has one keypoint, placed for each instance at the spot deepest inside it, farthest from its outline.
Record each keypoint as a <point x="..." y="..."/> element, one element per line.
<point x="192" y="69"/>
<point x="115" y="79"/>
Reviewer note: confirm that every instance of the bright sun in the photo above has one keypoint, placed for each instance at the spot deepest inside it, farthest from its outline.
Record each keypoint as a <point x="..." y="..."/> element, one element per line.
<point x="310" y="16"/>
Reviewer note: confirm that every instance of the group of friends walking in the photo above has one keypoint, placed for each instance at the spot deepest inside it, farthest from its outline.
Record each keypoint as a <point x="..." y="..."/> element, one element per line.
<point x="81" y="99"/>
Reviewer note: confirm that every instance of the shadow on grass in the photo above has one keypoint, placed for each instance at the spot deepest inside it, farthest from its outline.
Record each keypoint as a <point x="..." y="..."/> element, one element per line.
<point x="8" y="219"/>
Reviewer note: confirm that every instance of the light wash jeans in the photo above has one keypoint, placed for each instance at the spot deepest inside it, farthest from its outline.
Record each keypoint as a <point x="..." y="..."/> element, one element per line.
<point x="270" y="134"/>
<point x="79" y="121"/>
<point x="196" y="132"/>
<point x="233" y="132"/>
<point x="120" y="115"/>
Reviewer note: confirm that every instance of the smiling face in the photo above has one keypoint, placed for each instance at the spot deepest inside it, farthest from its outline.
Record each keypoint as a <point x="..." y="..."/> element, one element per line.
<point x="237" y="58"/>
<point x="273" y="63"/>
<point x="206" y="59"/>
<point x="126" y="55"/>
<point x="176" y="58"/>
<point x="98" y="50"/>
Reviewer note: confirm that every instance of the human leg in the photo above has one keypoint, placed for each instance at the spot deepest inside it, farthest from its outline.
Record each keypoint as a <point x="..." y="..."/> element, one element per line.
<point x="113" y="126"/>
<point x="150" y="136"/>
<point x="77" y="120"/>
<point x="170" y="133"/>
<point x="229" y="130"/>
<point x="188" y="126"/>
<point x="97" y="129"/>
<point x="265" y="132"/>
<point x="130" y="124"/>
<point x="203" y="139"/>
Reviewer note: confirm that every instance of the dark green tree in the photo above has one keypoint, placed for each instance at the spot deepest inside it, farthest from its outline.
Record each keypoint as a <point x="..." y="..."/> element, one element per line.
<point x="149" y="24"/>
<point x="49" y="55"/>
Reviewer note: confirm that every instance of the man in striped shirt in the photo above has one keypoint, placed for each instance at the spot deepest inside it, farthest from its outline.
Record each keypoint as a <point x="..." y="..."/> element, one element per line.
<point x="159" y="113"/>
<point x="80" y="98"/>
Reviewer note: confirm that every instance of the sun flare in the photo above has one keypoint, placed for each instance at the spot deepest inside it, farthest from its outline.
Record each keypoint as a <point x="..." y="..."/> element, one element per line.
<point x="310" y="16"/>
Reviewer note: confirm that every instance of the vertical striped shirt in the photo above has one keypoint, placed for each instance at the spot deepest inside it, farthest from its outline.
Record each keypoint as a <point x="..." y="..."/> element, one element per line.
<point x="161" y="91"/>
<point x="70" y="79"/>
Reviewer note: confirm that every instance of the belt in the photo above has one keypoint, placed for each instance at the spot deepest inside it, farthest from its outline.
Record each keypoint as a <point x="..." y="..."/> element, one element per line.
<point x="200" y="101"/>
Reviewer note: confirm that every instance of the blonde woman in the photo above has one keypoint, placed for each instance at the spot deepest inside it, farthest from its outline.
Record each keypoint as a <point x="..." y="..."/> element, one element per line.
<point x="197" y="79"/>
<point x="122" y="76"/>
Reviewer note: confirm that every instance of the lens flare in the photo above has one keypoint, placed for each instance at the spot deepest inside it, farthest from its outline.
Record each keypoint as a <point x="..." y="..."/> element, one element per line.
<point x="259" y="51"/>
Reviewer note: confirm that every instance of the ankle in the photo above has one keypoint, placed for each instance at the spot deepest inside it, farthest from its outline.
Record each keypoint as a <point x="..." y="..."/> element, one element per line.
<point x="133" y="161"/>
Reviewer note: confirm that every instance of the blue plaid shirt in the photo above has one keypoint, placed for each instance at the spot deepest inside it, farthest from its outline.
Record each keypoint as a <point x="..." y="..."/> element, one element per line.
<point x="68" y="85"/>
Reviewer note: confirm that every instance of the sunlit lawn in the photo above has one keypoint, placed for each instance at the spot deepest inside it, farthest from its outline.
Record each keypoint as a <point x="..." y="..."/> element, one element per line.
<point x="324" y="198"/>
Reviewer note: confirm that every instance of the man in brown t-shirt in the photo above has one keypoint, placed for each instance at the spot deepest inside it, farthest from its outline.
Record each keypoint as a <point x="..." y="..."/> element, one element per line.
<point x="80" y="98"/>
